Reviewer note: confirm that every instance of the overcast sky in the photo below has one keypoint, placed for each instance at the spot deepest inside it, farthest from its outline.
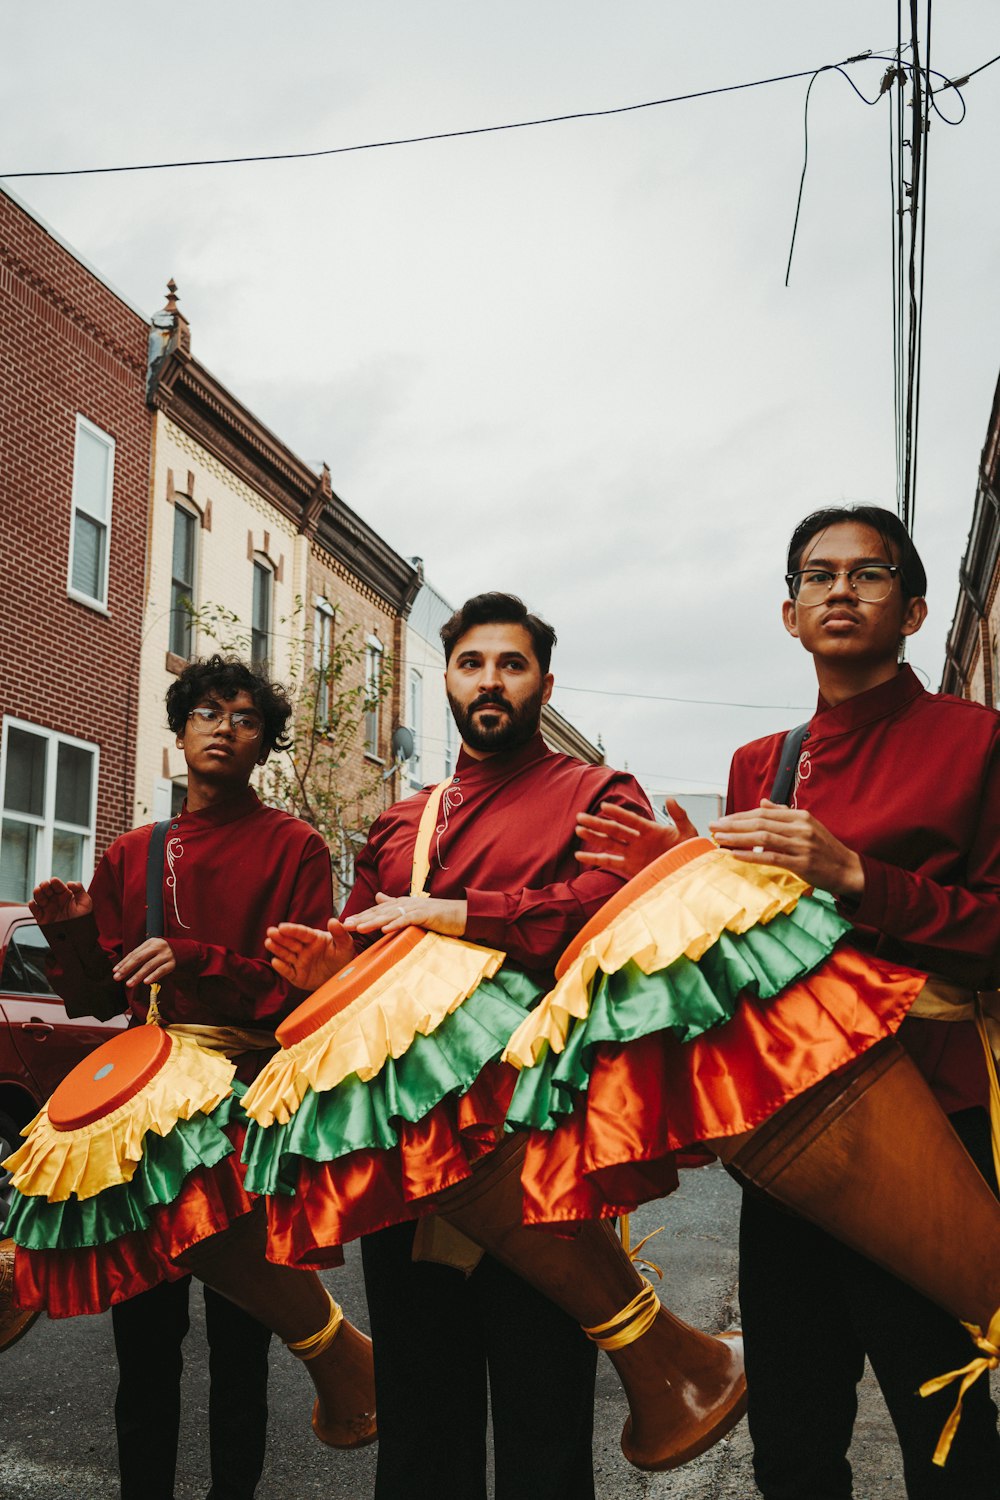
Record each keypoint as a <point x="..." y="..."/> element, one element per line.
<point x="560" y="361"/>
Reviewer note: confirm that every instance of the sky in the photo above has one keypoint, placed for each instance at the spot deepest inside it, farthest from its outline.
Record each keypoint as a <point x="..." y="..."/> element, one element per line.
<point x="560" y="361"/>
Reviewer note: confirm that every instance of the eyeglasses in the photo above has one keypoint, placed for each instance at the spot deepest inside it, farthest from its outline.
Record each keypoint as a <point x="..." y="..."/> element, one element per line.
<point x="245" y="726"/>
<point x="870" y="582"/>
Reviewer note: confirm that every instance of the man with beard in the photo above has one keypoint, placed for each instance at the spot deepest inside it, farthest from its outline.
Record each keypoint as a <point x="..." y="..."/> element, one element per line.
<point x="502" y="873"/>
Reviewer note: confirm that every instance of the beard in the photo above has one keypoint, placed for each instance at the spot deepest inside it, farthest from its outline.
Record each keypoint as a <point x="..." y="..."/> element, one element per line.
<point x="508" y="729"/>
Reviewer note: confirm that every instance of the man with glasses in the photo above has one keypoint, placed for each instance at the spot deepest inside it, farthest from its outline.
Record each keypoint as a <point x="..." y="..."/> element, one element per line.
<point x="232" y="868"/>
<point x="895" y="810"/>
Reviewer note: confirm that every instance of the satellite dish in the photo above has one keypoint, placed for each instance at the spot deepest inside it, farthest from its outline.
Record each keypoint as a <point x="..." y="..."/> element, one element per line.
<point x="402" y="743"/>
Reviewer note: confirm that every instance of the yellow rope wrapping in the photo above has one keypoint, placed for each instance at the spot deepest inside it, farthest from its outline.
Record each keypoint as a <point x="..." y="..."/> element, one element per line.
<point x="630" y="1324"/>
<point x="968" y="1375"/>
<point x="994" y="1083"/>
<point x="317" y="1343"/>
<point x="685" y="913"/>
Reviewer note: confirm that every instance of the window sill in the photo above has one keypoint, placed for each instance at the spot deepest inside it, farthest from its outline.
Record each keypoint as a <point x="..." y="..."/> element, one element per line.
<point x="85" y="599"/>
<point x="176" y="664"/>
<point x="376" y="760"/>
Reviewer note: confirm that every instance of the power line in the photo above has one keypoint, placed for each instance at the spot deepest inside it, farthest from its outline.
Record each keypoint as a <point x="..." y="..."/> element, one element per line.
<point x="441" y="135"/>
<point x="562" y="687"/>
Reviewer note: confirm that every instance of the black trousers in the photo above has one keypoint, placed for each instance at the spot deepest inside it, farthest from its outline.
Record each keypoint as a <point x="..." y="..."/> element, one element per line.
<point x="439" y="1336"/>
<point x="812" y="1310"/>
<point x="149" y="1331"/>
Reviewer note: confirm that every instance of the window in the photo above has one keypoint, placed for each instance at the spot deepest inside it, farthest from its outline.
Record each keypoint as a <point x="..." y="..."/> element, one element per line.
<point x="416" y="716"/>
<point x="49" y="788"/>
<point x="373" y="693"/>
<point x="351" y="844"/>
<point x="450" y="746"/>
<point x="324" y="620"/>
<point x="260" y="626"/>
<point x="182" y="585"/>
<point x="93" y="478"/>
<point x="25" y="962"/>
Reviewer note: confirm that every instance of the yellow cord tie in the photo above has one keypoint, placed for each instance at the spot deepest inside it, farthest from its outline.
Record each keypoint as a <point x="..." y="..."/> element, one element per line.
<point x="968" y="1375"/>
<point x="153" y="1013"/>
<point x="993" y="1080"/>
<point x="625" y="1233"/>
<point x="630" y="1324"/>
<point x="317" y="1343"/>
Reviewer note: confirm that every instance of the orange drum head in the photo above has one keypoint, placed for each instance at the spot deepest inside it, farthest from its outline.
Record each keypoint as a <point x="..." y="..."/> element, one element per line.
<point x="348" y="984"/>
<point x="622" y="899"/>
<point x="109" y="1077"/>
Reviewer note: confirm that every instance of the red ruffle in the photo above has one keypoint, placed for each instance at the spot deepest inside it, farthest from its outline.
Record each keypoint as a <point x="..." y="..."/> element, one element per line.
<point x="338" y="1201"/>
<point x="654" y="1097"/>
<point x="67" y="1283"/>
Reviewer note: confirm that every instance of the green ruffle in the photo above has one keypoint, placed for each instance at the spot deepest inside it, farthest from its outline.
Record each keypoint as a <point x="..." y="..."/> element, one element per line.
<point x="686" y="998"/>
<point x="167" y="1161"/>
<point x="354" y="1115"/>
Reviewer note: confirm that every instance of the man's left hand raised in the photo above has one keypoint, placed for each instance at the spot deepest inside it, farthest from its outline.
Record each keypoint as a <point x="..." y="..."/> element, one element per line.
<point x="393" y="913"/>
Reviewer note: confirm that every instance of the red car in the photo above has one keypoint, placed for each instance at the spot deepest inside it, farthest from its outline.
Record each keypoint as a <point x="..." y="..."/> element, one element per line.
<point x="38" y="1041"/>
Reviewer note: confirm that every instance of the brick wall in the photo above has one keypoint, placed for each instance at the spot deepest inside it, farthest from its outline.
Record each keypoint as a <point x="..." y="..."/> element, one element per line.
<point x="68" y="346"/>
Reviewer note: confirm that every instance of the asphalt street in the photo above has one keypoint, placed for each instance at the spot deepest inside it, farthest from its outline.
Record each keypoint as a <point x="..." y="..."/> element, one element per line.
<point x="57" y="1389"/>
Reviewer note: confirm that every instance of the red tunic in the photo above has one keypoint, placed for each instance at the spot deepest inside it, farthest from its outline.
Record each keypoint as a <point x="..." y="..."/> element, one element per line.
<point x="229" y="873"/>
<point x="910" y="780"/>
<point x="506" y="845"/>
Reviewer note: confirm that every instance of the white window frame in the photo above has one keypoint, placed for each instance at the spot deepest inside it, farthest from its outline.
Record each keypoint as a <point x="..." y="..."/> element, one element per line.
<point x="187" y="508"/>
<point x="262" y="566"/>
<point x="450" y="741"/>
<point x="94" y="601"/>
<point x="415" y="689"/>
<point x="374" y="652"/>
<point x="324" y="618"/>
<point x="47" y="822"/>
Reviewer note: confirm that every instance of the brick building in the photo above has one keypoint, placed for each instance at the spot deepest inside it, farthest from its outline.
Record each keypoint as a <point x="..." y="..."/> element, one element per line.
<point x="972" y="653"/>
<point x="252" y="551"/>
<point x="74" y="499"/>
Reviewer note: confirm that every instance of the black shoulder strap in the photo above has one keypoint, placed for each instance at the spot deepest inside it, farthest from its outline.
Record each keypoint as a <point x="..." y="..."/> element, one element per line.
<point x="784" y="782"/>
<point x="154" y="879"/>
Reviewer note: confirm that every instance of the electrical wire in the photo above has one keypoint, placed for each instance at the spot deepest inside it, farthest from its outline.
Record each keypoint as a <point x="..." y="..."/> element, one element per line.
<point x="441" y="135"/>
<point x="562" y="687"/>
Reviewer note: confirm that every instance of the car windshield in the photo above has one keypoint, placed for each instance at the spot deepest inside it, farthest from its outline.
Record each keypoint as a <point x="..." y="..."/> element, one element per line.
<point x="24" y="963"/>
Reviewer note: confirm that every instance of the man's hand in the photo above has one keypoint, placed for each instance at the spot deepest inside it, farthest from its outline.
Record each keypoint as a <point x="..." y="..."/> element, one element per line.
<point x="150" y="963"/>
<point x="772" y="834"/>
<point x="624" y="842"/>
<point x="55" y="901"/>
<point x="393" y="913"/>
<point x="307" y="957"/>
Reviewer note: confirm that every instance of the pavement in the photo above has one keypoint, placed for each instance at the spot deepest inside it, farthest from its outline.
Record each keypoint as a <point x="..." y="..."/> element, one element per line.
<point x="57" y="1392"/>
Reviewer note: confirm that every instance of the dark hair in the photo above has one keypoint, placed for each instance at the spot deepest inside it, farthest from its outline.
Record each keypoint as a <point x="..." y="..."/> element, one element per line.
<point x="898" y="542"/>
<point x="493" y="609"/>
<point x="223" y="677"/>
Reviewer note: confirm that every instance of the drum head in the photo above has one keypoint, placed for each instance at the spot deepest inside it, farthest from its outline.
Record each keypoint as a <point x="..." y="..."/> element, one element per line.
<point x="674" y="859"/>
<point x="348" y="984"/>
<point x="109" y="1077"/>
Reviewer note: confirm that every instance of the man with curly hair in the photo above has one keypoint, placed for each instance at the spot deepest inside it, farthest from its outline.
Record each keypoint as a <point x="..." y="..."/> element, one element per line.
<point x="232" y="868"/>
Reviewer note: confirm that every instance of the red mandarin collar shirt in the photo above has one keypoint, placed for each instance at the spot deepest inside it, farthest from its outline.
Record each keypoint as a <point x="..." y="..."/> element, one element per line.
<point x="229" y="873"/>
<point x="910" y="780"/>
<point x="505" y="843"/>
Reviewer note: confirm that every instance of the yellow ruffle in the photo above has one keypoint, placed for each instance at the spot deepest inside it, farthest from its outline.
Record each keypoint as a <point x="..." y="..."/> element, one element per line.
<point x="55" y="1163"/>
<point x="683" y="915"/>
<point x="412" y="998"/>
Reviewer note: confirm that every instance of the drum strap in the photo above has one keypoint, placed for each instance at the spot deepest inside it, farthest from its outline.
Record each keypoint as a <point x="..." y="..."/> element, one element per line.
<point x="784" y="781"/>
<point x="154" y="902"/>
<point x="425" y="832"/>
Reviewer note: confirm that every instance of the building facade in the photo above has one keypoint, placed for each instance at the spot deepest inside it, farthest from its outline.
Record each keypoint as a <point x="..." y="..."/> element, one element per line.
<point x="972" y="652"/>
<point x="74" y="490"/>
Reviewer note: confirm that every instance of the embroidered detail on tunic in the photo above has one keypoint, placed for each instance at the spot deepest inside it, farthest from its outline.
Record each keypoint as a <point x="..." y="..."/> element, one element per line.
<point x="803" y="771"/>
<point x="174" y="852"/>
<point x="452" y="799"/>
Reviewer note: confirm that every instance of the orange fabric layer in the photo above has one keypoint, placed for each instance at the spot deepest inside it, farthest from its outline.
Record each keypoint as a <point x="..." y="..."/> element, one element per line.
<point x="653" y="1097"/>
<point x="68" y="1283"/>
<point x="340" y="1200"/>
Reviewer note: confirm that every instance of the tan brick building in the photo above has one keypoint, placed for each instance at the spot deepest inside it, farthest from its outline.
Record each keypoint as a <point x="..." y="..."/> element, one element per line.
<point x="74" y="493"/>
<point x="252" y="551"/>
<point x="972" y="664"/>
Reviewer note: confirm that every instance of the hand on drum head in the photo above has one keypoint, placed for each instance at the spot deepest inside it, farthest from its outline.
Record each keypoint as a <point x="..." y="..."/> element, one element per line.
<point x="306" y="956"/>
<point x="56" y="901"/>
<point x="393" y="913"/>
<point x="773" y="834"/>
<point x="624" y="842"/>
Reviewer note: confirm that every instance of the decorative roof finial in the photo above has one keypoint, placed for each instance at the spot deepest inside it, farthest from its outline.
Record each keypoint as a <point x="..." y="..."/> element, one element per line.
<point x="171" y="306"/>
